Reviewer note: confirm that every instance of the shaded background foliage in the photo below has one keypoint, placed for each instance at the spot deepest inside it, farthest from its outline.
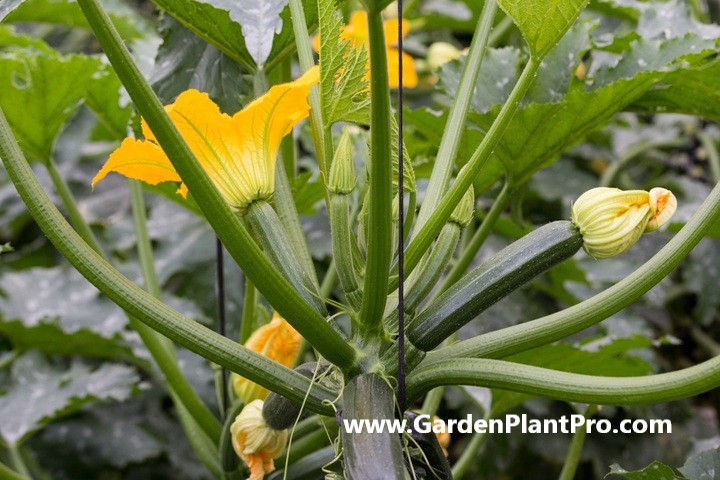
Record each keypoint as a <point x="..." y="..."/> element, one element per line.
<point x="591" y="117"/>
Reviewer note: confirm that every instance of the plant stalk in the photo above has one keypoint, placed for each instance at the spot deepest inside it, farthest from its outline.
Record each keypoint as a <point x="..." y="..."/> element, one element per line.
<point x="379" y="242"/>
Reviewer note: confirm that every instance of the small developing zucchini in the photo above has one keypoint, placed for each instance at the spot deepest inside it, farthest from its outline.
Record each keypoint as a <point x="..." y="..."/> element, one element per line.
<point x="279" y="412"/>
<point x="376" y="456"/>
<point x="509" y="269"/>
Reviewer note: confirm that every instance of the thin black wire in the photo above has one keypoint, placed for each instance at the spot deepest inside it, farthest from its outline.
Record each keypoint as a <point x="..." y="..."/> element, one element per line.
<point x="220" y="292"/>
<point x="401" y="219"/>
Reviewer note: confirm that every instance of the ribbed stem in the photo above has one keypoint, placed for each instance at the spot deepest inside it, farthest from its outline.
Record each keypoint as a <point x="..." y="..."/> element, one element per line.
<point x="249" y="309"/>
<point x="270" y="234"/>
<point x="569" y="387"/>
<point x="572" y="458"/>
<point x="379" y="218"/>
<point x="342" y="238"/>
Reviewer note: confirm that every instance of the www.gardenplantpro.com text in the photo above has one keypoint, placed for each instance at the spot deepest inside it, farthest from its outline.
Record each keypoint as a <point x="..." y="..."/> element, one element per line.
<point x="507" y="424"/>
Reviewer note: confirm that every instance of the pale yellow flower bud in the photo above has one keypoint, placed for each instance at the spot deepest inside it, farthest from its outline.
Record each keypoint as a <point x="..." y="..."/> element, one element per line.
<point x="342" y="171"/>
<point x="463" y="213"/>
<point x="278" y="341"/>
<point x="440" y="53"/>
<point x="612" y="220"/>
<point x="255" y="442"/>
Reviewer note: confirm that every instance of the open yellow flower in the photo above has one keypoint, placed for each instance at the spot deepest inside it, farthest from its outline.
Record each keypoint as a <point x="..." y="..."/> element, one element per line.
<point x="278" y="341"/>
<point x="357" y="33"/>
<point x="238" y="152"/>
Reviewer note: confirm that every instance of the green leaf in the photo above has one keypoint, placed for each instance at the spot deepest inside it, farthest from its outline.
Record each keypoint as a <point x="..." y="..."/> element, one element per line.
<point x="494" y="83"/>
<point x="541" y="131"/>
<point x="607" y="357"/>
<point x="216" y="26"/>
<point x="260" y="21"/>
<point x="40" y="93"/>
<point x="703" y="466"/>
<point x="40" y="392"/>
<point x="58" y="296"/>
<point x="654" y="471"/>
<point x="6" y="248"/>
<point x="129" y="23"/>
<point x="543" y="22"/>
<point x="185" y="61"/>
<point x="344" y="88"/>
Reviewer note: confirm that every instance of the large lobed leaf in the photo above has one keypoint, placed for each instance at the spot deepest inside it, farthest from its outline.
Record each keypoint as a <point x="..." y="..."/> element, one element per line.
<point x="40" y="392"/>
<point x="223" y="24"/>
<point x="667" y="71"/>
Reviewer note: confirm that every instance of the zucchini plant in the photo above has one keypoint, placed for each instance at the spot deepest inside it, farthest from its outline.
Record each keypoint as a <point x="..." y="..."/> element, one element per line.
<point x="375" y="333"/>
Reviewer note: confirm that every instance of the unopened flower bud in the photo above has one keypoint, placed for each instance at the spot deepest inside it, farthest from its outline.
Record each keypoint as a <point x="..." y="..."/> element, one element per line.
<point x="278" y="341"/>
<point x="612" y="220"/>
<point x="342" y="171"/>
<point x="463" y="213"/>
<point x="440" y="53"/>
<point x="255" y="442"/>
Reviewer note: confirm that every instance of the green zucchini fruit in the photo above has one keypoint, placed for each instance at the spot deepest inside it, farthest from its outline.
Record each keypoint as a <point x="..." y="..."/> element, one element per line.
<point x="376" y="456"/>
<point x="509" y="269"/>
<point x="279" y="412"/>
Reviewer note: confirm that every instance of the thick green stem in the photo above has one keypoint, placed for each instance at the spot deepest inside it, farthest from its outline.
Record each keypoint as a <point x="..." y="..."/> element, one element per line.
<point x="478" y="238"/>
<point x="144" y="306"/>
<point x="379" y="240"/>
<point x="507" y="341"/>
<point x="430" y="229"/>
<point x="271" y="235"/>
<point x="570" y="387"/>
<point x="572" y="459"/>
<point x="342" y="238"/>
<point x="76" y="218"/>
<point x="279" y="292"/>
<point x="442" y="168"/>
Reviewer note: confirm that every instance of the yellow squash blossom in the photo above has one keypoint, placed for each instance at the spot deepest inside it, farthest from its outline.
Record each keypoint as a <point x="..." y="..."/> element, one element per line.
<point x="238" y="152"/>
<point x="278" y="341"/>
<point x="357" y="33"/>
<point x="255" y="442"/>
<point x="612" y="220"/>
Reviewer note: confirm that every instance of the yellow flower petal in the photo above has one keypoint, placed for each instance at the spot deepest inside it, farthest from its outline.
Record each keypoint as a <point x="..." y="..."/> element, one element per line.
<point x="238" y="153"/>
<point x="278" y="341"/>
<point x="410" y="78"/>
<point x="391" y="31"/>
<point x="139" y="160"/>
